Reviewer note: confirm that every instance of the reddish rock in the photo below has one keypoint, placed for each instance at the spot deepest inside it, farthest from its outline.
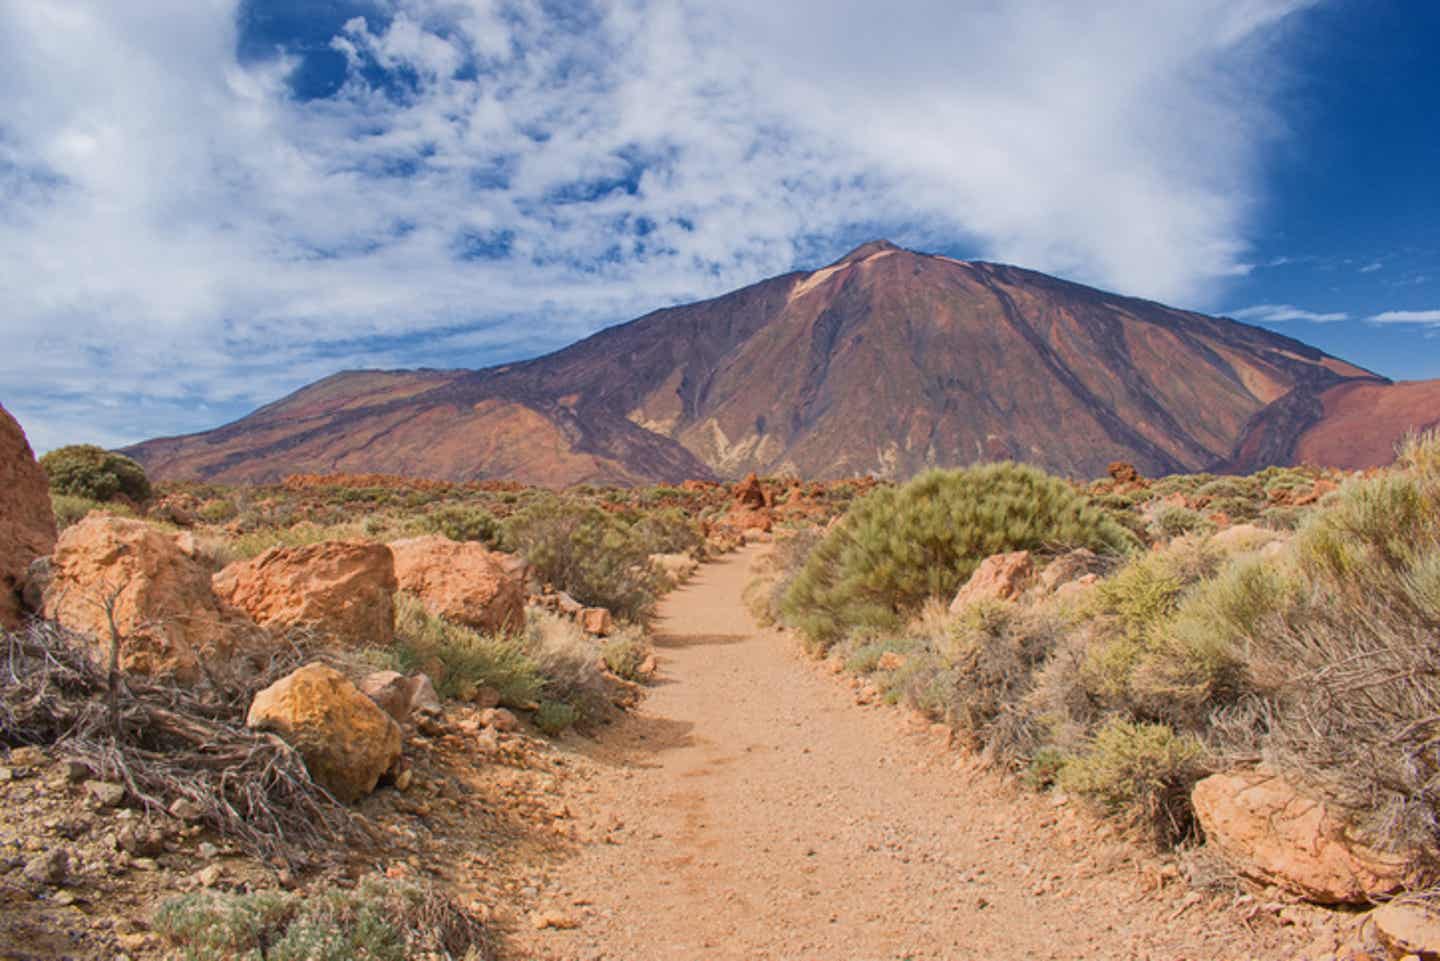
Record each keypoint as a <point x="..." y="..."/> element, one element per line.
<point x="462" y="582"/>
<point x="750" y="493"/>
<point x="596" y="621"/>
<point x="1408" y="929"/>
<point x="1320" y="488"/>
<point x="170" y="619"/>
<point x="27" y="525"/>
<point x="1122" y="472"/>
<point x="399" y="696"/>
<point x="347" y="741"/>
<point x="500" y="719"/>
<point x="1273" y="833"/>
<point x="343" y="590"/>
<point x="1000" y="577"/>
<point x="891" y="661"/>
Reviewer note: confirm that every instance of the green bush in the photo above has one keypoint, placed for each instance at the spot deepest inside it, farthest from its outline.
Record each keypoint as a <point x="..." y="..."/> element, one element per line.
<point x="667" y="531"/>
<point x="470" y="660"/>
<point x="376" y="921"/>
<point x="1172" y="520"/>
<point x="464" y="523"/>
<point x="1142" y="773"/>
<point x="556" y="717"/>
<point x="69" y="509"/>
<point x="625" y="652"/>
<point x="84" y="470"/>
<point x="896" y="547"/>
<point x="583" y="550"/>
<point x="218" y="510"/>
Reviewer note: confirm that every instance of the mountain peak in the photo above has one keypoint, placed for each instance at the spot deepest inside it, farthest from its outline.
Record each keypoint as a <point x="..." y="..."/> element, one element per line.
<point x="867" y="250"/>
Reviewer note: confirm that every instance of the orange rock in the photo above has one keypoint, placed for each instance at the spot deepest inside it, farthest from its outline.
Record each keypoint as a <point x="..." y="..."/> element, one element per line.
<point x="1000" y="577"/>
<point x="27" y="526"/>
<point x="461" y="582"/>
<point x="596" y="621"/>
<point x="750" y="492"/>
<point x="342" y="589"/>
<point x="1122" y="472"/>
<point x="347" y="741"/>
<point x="1273" y="833"/>
<point x="170" y="619"/>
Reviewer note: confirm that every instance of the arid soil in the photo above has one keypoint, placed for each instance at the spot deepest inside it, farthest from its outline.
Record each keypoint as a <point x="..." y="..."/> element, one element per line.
<point x="750" y="809"/>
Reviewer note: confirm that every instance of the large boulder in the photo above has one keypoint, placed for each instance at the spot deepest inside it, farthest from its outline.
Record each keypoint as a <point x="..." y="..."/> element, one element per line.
<point x="1273" y="833"/>
<point x="1408" y="929"/>
<point x="170" y="620"/>
<point x="342" y="590"/>
<point x="1000" y="577"/>
<point x="27" y="525"/>
<point x="347" y="741"/>
<point x="462" y="582"/>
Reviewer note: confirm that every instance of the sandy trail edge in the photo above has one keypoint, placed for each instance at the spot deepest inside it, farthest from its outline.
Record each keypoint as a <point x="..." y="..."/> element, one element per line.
<point x="751" y="810"/>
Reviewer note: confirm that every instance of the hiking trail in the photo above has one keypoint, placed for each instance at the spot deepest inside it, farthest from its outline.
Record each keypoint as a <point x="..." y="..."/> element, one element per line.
<point x="751" y="810"/>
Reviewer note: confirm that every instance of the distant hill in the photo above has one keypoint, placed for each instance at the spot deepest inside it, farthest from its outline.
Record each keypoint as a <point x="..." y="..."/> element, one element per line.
<point x="885" y="362"/>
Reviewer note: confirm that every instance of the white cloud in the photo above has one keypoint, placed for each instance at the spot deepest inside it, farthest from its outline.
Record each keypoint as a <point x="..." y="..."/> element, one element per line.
<point x="180" y="239"/>
<point x="1429" y="318"/>
<point x="1277" y="313"/>
<point x="1371" y="267"/>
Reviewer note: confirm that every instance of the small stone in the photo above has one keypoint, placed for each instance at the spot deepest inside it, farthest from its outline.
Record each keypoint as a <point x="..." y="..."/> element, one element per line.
<point x="186" y="810"/>
<point x="144" y="864"/>
<point x="209" y="876"/>
<point x="51" y="867"/>
<point x="105" y="793"/>
<point x="404" y="779"/>
<point x="28" y="756"/>
<point x="557" y="920"/>
<point x="75" y="771"/>
<point x="6" y="775"/>
<point x="500" y="719"/>
<point x="63" y="898"/>
<point x="208" y="851"/>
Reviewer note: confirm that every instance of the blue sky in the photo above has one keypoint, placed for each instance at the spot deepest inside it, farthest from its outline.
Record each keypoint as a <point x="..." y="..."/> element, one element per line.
<point x="205" y="204"/>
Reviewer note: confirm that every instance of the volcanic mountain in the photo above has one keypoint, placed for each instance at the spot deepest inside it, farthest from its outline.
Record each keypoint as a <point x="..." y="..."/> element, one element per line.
<point x="886" y="362"/>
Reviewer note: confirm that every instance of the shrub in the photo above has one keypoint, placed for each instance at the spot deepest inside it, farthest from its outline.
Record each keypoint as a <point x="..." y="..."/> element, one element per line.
<point x="84" y="470"/>
<point x="625" y="653"/>
<point x="666" y="531"/>
<point x="464" y="523"/>
<point x="469" y="659"/>
<point x="898" y="546"/>
<point x="378" y="921"/>
<point x="584" y="551"/>
<point x="1172" y="520"/>
<point x="1142" y="773"/>
<point x="69" y="509"/>
<point x="555" y="717"/>
<point x="218" y="510"/>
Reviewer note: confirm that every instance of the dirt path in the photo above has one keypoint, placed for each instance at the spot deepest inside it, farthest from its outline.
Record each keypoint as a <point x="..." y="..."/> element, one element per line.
<point x="752" y="810"/>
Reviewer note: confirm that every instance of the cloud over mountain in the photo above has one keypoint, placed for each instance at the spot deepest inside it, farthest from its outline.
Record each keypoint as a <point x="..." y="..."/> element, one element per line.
<point x="182" y="235"/>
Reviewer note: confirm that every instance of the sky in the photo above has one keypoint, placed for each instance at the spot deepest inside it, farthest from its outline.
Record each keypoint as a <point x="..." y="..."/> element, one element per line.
<point x="206" y="204"/>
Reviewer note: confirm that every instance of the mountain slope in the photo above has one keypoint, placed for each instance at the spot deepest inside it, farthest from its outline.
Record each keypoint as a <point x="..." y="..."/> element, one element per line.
<point x="885" y="362"/>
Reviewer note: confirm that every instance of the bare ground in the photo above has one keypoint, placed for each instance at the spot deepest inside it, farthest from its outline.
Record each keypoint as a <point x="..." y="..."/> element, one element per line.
<point x="751" y="810"/>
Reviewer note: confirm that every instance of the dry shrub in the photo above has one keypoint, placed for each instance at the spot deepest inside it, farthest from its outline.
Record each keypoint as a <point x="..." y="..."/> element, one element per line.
<point x="165" y="743"/>
<point x="468" y="659"/>
<point x="379" y="920"/>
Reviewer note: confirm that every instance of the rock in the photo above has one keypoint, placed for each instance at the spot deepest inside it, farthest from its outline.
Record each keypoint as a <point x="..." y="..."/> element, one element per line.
<point x="171" y="622"/>
<point x="1000" y="577"/>
<point x="27" y="524"/>
<point x="177" y="509"/>
<point x="891" y="661"/>
<point x="596" y="621"/>
<point x="1271" y="832"/>
<point x="185" y="809"/>
<point x="347" y="741"/>
<point x="568" y="605"/>
<point x="343" y="590"/>
<point x="742" y="518"/>
<point x="141" y="841"/>
<point x="1408" y="928"/>
<point x="462" y="582"/>
<point x="751" y="493"/>
<point x="560" y="921"/>
<point x="1123" y="473"/>
<point x="648" y="667"/>
<point x="484" y="697"/>
<point x="401" y="696"/>
<point x="500" y="719"/>
<point x="1068" y="568"/>
<point x="210" y="875"/>
<point x="51" y="867"/>
<point x="105" y="793"/>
